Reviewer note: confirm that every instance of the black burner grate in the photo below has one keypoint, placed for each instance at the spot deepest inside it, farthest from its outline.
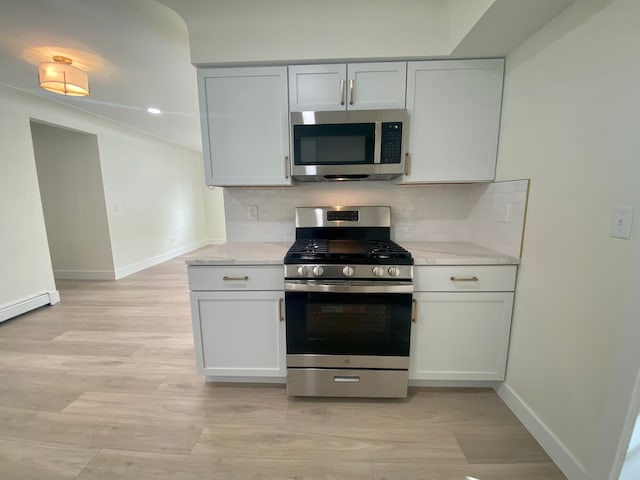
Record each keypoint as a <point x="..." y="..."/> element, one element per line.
<point x="372" y="251"/>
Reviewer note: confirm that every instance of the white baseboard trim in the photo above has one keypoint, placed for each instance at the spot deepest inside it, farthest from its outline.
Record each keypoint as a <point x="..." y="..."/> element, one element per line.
<point x="84" y="275"/>
<point x="25" y="305"/>
<point x="150" y="262"/>
<point x="559" y="453"/>
<point x="216" y="241"/>
<point x="454" y="383"/>
<point x="256" y="380"/>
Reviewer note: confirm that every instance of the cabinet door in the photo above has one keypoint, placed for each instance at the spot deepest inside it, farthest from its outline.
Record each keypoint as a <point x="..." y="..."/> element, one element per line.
<point x="460" y="336"/>
<point x="454" y="112"/>
<point x="245" y="125"/>
<point x="373" y="86"/>
<point x="317" y="87"/>
<point x="239" y="334"/>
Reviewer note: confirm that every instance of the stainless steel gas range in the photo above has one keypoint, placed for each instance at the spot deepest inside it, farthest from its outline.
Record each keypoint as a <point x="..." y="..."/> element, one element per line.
<point x="349" y="306"/>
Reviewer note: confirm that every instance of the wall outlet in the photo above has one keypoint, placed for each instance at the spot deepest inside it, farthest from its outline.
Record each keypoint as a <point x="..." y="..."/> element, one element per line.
<point x="505" y="212"/>
<point x="620" y="224"/>
<point x="252" y="213"/>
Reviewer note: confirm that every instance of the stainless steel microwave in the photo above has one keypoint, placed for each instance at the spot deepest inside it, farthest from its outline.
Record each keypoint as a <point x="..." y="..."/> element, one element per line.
<point x="349" y="145"/>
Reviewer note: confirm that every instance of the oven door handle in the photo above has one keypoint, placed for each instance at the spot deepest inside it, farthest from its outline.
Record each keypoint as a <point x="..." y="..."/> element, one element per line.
<point x="349" y="287"/>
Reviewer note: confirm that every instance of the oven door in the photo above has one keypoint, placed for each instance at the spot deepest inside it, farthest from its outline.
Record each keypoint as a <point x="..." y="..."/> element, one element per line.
<point x="348" y="324"/>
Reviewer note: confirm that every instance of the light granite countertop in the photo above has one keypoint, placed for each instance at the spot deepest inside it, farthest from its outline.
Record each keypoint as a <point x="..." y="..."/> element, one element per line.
<point x="456" y="253"/>
<point x="240" y="253"/>
<point x="424" y="253"/>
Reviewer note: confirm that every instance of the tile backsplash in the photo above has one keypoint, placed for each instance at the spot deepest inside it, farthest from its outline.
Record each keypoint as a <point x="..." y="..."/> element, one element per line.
<point x="419" y="213"/>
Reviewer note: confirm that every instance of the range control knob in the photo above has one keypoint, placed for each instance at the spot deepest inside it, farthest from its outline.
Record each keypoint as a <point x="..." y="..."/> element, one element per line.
<point x="394" y="271"/>
<point x="303" y="271"/>
<point x="347" y="271"/>
<point x="377" y="271"/>
<point x="318" y="271"/>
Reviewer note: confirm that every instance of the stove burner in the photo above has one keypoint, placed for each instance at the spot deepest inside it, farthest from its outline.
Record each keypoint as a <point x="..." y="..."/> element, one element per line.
<point x="351" y="251"/>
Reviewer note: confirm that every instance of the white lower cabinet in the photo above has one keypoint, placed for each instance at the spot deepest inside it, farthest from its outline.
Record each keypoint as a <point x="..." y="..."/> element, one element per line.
<point x="239" y="332"/>
<point x="461" y="334"/>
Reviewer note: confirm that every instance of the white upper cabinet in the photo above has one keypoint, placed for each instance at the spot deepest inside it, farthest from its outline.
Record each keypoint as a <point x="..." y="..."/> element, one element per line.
<point x="355" y="86"/>
<point x="245" y="125"/>
<point x="454" y="114"/>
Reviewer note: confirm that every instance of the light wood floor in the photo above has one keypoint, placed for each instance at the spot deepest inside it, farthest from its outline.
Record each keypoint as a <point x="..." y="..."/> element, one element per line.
<point x="103" y="386"/>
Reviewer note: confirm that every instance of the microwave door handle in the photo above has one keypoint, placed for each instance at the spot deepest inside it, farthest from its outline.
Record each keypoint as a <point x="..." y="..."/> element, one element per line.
<point x="377" y="143"/>
<point x="342" y="92"/>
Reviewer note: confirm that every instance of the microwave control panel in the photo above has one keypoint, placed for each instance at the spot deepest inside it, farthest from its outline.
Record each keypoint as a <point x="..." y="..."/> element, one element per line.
<point x="391" y="142"/>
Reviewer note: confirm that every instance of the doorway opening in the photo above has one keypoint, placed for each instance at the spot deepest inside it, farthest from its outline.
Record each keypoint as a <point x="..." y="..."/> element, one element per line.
<point x="73" y="202"/>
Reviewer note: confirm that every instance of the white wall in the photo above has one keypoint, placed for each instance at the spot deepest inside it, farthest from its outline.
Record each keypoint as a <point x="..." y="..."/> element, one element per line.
<point x="214" y="212"/>
<point x="72" y="195"/>
<point x="569" y="122"/>
<point x="232" y="31"/>
<point x="155" y="199"/>
<point x="25" y="265"/>
<point x="156" y="188"/>
<point x="463" y="15"/>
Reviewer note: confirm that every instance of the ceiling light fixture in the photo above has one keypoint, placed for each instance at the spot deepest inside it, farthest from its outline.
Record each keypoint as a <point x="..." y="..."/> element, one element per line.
<point x="61" y="77"/>
<point x="154" y="111"/>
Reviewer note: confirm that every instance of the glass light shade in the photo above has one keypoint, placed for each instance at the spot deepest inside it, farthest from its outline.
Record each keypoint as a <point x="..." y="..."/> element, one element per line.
<point x="63" y="78"/>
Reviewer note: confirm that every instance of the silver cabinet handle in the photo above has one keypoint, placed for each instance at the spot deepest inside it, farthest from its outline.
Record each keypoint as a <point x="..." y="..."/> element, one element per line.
<point x="464" y="279"/>
<point x="351" y="91"/>
<point x="346" y="379"/>
<point x="286" y="166"/>
<point x="414" y="317"/>
<point x="235" y="279"/>
<point x="342" y="92"/>
<point x="280" y="309"/>
<point x="407" y="163"/>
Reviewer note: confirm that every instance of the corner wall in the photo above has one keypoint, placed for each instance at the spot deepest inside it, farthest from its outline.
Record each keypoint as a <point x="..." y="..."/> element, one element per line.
<point x="25" y="264"/>
<point x="569" y="122"/>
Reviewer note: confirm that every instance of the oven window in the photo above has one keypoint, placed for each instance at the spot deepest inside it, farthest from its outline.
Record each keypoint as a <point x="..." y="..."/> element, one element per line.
<point x="348" y="324"/>
<point x="334" y="144"/>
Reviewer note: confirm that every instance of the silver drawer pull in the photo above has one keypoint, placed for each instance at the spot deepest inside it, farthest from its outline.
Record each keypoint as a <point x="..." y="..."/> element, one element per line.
<point x="346" y="379"/>
<point x="464" y="279"/>
<point x="235" y="279"/>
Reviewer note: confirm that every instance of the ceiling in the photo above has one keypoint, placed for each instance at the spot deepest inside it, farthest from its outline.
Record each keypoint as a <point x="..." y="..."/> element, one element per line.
<point x="136" y="54"/>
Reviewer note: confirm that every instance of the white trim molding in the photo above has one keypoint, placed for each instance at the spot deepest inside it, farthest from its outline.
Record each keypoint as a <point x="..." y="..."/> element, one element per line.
<point x="559" y="453"/>
<point x="84" y="275"/>
<point x="454" y="383"/>
<point x="25" y="305"/>
<point x="54" y="297"/>
<point x="150" y="262"/>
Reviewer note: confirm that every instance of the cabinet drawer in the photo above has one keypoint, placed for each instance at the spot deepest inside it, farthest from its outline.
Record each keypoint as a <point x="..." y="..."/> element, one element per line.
<point x="249" y="277"/>
<point x="481" y="278"/>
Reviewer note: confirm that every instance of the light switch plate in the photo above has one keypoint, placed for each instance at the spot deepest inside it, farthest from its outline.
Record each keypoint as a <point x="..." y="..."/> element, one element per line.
<point x="620" y="225"/>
